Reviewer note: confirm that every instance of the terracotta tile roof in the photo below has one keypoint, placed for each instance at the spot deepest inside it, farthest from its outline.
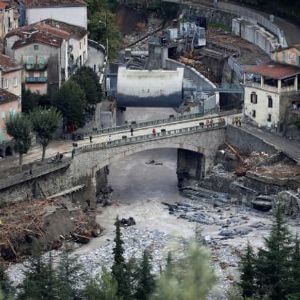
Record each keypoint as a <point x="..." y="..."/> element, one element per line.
<point x="53" y="3"/>
<point x="73" y="30"/>
<point x="40" y="37"/>
<point x="7" y="64"/>
<point x="273" y="70"/>
<point x="6" y="97"/>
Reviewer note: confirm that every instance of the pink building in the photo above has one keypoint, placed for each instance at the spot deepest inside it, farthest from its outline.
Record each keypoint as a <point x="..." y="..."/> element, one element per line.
<point x="9" y="104"/>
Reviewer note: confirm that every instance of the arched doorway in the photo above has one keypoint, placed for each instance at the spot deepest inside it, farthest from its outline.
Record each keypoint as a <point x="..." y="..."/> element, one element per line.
<point x="8" y="151"/>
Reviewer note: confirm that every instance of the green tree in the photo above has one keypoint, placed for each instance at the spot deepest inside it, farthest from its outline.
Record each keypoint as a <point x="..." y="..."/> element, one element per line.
<point x="191" y="277"/>
<point x="31" y="101"/>
<point x="18" y="126"/>
<point x="40" y="280"/>
<point x="103" y="27"/>
<point x="88" y="80"/>
<point x="248" y="272"/>
<point x="6" y="286"/>
<point x="105" y="288"/>
<point x="146" y="282"/>
<point x="119" y="265"/>
<point x="44" y="123"/>
<point x="70" y="100"/>
<point x="70" y="277"/>
<point x="294" y="287"/>
<point x="274" y="261"/>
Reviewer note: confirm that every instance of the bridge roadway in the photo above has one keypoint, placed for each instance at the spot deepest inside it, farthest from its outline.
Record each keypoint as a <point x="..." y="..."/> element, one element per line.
<point x="66" y="146"/>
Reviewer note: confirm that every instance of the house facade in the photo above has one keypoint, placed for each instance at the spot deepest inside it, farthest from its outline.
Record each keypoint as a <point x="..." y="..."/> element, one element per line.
<point x="290" y="55"/>
<point x="70" y="11"/>
<point x="9" y="17"/>
<point x="269" y="91"/>
<point x="50" y="52"/>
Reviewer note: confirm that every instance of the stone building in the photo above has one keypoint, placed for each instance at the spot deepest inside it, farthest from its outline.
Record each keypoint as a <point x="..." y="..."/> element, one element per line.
<point x="50" y="51"/>
<point x="9" y="17"/>
<point x="271" y="89"/>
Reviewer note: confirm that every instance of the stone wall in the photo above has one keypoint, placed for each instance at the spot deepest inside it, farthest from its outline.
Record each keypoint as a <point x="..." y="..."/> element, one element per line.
<point x="247" y="142"/>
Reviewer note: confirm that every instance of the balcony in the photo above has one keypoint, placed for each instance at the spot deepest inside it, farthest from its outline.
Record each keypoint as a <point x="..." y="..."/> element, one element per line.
<point x="35" y="67"/>
<point x="36" y="79"/>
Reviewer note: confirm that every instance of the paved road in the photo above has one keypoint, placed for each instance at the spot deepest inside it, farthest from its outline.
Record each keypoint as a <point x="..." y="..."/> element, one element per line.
<point x="65" y="147"/>
<point x="290" y="147"/>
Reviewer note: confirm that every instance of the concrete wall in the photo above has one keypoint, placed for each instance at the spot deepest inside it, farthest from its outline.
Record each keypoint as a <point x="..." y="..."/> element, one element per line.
<point x="289" y="56"/>
<point x="143" y="88"/>
<point x="247" y="142"/>
<point x="72" y="15"/>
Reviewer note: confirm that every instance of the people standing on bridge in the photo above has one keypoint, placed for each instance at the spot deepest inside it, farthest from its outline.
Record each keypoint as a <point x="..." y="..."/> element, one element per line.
<point x="154" y="132"/>
<point x="131" y="131"/>
<point x="239" y="122"/>
<point x="91" y="139"/>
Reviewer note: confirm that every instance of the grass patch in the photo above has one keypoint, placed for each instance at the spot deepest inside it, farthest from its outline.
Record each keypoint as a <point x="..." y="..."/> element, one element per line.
<point x="224" y="27"/>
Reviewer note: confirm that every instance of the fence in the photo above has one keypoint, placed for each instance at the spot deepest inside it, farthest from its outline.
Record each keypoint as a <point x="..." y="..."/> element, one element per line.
<point x="204" y="125"/>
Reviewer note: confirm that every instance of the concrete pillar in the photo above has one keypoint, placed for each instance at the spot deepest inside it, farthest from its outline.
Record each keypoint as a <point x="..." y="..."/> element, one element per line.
<point x="296" y="83"/>
<point x="190" y="165"/>
<point x="262" y="81"/>
<point x="279" y="86"/>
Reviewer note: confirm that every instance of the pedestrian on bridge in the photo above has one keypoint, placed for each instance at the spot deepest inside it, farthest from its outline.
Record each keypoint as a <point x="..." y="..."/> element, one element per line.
<point x="154" y="132"/>
<point x="131" y="131"/>
<point x="91" y="139"/>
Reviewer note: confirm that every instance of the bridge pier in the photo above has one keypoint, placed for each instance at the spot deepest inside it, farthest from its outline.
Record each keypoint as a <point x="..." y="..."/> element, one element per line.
<point x="190" y="165"/>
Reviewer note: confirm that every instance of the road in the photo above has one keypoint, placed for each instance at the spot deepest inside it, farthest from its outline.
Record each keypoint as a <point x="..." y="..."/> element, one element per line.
<point x="289" y="147"/>
<point x="65" y="147"/>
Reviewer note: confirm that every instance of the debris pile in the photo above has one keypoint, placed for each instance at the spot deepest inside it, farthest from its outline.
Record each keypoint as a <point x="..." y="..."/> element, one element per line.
<point x="50" y="222"/>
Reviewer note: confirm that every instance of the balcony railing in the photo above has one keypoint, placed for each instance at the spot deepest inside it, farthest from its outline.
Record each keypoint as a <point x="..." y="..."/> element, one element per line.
<point x="36" y="79"/>
<point x="37" y="67"/>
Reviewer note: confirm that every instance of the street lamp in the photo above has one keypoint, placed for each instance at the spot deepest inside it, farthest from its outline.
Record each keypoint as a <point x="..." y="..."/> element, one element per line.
<point x="105" y="24"/>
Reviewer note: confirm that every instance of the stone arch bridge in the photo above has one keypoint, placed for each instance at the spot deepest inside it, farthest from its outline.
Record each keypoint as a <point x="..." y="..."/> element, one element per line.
<point x="197" y="141"/>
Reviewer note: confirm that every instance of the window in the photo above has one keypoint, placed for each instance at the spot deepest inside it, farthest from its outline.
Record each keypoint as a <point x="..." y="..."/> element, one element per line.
<point x="3" y="114"/>
<point x="270" y="102"/>
<point x="5" y="83"/>
<point x="254" y="113"/>
<point x="253" y="98"/>
<point x="36" y="47"/>
<point x="84" y="41"/>
<point x="269" y="118"/>
<point x="15" y="81"/>
<point x="79" y="45"/>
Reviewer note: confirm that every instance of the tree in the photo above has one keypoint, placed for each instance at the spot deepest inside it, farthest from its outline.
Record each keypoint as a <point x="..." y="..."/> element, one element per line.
<point x="119" y="265"/>
<point x="248" y="272"/>
<point x="102" y="26"/>
<point x="18" y="126"/>
<point x="191" y="278"/>
<point x="294" y="287"/>
<point x="88" y="81"/>
<point x="31" y="101"/>
<point x="70" y="277"/>
<point x="6" y="287"/>
<point x="70" y="100"/>
<point x="146" y="282"/>
<point x="44" y="123"/>
<point x="273" y="261"/>
<point x="40" y="280"/>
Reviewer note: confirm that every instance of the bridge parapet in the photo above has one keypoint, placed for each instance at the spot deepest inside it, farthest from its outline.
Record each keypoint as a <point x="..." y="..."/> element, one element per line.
<point x="152" y="137"/>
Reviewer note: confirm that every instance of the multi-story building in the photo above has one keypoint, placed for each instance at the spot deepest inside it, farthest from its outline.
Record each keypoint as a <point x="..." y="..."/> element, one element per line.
<point x="70" y="11"/>
<point x="10" y="75"/>
<point x="10" y="98"/>
<point x="50" y="51"/>
<point x="9" y="17"/>
<point x="270" y="90"/>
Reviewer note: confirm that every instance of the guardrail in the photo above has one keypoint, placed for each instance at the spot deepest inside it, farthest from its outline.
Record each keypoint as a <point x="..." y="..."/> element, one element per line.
<point x="34" y="173"/>
<point x="134" y="125"/>
<point x="204" y="125"/>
